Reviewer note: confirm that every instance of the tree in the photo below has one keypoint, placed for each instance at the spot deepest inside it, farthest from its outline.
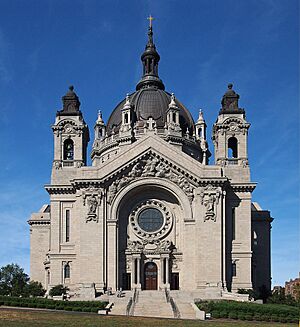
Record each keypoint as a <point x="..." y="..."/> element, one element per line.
<point x="12" y="280"/>
<point x="34" y="289"/>
<point x="252" y="294"/>
<point x="264" y="293"/>
<point x="58" y="290"/>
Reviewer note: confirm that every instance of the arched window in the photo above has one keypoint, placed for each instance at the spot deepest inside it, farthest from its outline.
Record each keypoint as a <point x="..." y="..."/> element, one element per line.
<point x="200" y="132"/>
<point x="232" y="147"/>
<point x="174" y="117"/>
<point x="68" y="150"/>
<point x="67" y="271"/>
<point x="126" y="118"/>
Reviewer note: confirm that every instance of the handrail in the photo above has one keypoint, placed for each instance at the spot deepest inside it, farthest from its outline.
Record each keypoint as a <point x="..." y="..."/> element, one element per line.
<point x="167" y="295"/>
<point x="174" y="307"/>
<point x="128" y="307"/>
<point x="131" y="303"/>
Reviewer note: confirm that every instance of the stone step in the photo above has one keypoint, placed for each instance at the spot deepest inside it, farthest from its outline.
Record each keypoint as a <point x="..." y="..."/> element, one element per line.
<point x="152" y="304"/>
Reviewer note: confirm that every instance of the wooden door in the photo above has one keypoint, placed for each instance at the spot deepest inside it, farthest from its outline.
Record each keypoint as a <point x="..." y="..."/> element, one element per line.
<point x="150" y="276"/>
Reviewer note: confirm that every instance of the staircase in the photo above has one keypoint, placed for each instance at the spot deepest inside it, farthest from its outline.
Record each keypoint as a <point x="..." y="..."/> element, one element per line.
<point x="152" y="304"/>
<point x="184" y="302"/>
<point x="120" y="303"/>
<point x="161" y="304"/>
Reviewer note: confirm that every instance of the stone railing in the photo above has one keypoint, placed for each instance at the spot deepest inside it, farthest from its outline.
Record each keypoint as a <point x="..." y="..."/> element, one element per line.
<point x="174" y="307"/>
<point x="131" y="303"/>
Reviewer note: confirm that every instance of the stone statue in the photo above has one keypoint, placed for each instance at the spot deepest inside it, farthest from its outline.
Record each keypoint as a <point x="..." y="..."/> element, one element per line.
<point x="209" y="203"/>
<point x="92" y="203"/>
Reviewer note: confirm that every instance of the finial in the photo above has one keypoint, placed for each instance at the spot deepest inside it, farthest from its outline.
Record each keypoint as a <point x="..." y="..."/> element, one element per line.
<point x="200" y="118"/>
<point x="100" y="119"/>
<point x="71" y="88"/>
<point x="150" y="18"/>
<point x="127" y="104"/>
<point x="172" y="103"/>
<point x="230" y="85"/>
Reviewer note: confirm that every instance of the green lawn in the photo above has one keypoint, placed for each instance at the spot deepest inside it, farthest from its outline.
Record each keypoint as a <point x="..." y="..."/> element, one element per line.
<point x="27" y="318"/>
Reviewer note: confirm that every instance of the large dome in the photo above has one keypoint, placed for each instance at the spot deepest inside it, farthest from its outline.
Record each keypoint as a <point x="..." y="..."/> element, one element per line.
<point x="150" y="98"/>
<point x="150" y="102"/>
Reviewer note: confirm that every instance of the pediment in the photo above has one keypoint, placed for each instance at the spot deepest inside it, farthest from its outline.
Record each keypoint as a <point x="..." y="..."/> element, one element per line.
<point x="150" y="157"/>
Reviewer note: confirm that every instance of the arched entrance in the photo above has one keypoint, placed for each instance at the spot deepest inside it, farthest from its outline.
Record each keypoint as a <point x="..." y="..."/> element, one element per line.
<point x="150" y="276"/>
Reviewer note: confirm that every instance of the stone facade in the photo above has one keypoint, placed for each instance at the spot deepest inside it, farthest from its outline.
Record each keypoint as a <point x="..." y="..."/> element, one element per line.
<point x="150" y="212"/>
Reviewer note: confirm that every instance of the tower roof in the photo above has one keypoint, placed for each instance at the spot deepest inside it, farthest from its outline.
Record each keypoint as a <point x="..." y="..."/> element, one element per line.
<point x="230" y="102"/>
<point x="71" y="104"/>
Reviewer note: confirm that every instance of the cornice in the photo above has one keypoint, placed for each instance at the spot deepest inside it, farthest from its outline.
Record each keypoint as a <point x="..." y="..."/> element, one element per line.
<point x="60" y="189"/>
<point x="243" y="187"/>
<point x="39" y="222"/>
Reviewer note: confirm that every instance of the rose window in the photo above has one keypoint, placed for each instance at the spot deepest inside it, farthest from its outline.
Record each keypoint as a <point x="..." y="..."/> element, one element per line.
<point x="151" y="219"/>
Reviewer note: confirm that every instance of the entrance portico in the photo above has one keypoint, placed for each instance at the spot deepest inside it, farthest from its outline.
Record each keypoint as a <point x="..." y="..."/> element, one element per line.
<point x="150" y="274"/>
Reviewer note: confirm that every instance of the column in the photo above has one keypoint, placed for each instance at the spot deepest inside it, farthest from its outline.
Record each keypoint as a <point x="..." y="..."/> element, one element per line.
<point x="161" y="272"/>
<point x="132" y="272"/>
<point x="167" y="273"/>
<point x="138" y="280"/>
<point x="112" y="254"/>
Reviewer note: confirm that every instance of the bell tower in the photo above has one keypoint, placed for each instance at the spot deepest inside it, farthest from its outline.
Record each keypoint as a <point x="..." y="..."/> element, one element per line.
<point x="230" y="134"/>
<point x="71" y="134"/>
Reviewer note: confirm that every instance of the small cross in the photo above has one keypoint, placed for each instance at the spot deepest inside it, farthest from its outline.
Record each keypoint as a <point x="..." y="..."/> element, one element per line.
<point x="150" y="18"/>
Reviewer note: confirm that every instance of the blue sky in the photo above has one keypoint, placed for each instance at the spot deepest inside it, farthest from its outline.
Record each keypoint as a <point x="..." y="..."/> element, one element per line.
<point x="96" y="45"/>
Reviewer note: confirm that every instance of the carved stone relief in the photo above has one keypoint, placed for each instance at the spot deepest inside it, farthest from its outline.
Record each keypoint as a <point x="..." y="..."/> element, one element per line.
<point x="150" y="246"/>
<point x="67" y="127"/>
<point x="150" y="166"/>
<point x="92" y="198"/>
<point x="210" y="198"/>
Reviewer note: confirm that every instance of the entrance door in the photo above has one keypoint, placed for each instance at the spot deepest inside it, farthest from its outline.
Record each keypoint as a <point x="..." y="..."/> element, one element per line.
<point x="150" y="276"/>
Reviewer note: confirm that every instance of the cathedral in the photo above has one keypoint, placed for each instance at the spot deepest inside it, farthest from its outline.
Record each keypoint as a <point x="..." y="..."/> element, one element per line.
<point x="151" y="212"/>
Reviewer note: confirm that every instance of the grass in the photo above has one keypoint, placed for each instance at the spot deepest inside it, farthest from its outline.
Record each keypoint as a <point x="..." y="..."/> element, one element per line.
<point x="26" y="318"/>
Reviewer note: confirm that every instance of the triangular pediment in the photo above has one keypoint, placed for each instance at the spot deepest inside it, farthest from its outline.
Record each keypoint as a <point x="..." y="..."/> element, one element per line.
<point x="152" y="156"/>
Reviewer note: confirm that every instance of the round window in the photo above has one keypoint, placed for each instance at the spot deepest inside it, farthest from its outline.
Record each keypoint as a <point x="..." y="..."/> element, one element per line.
<point x="150" y="220"/>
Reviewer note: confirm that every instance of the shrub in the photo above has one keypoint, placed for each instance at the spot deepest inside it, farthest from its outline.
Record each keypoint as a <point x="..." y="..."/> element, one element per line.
<point x="241" y="316"/>
<point x="94" y="310"/>
<point x="215" y="314"/>
<point x="257" y="317"/>
<point x="223" y="314"/>
<point x="274" y="317"/>
<point x="58" y="290"/>
<point x="76" y="309"/>
<point x="50" y="306"/>
<point x="232" y="315"/>
<point x="265" y="318"/>
<point x="59" y="307"/>
<point x="248" y="317"/>
<point x="283" y="319"/>
<point x="86" y="309"/>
